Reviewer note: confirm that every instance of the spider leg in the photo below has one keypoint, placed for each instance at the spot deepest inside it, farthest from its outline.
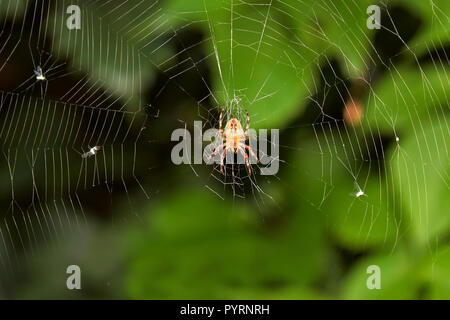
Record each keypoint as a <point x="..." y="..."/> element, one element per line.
<point x="246" y="159"/>
<point x="248" y="124"/>
<point x="217" y="149"/>
<point x="220" y="123"/>
<point x="221" y="161"/>
<point x="251" y="151"/>
<point x="222" y="156"/>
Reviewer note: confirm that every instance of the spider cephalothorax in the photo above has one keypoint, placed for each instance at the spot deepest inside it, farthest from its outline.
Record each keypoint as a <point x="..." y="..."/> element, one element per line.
<point x="234" y="138"/>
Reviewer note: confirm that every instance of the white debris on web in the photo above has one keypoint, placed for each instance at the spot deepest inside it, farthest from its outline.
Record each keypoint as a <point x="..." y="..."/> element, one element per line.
<point x="39" y="74"/>
<point x="92" y="152"/>
<point x="359" y="192"/>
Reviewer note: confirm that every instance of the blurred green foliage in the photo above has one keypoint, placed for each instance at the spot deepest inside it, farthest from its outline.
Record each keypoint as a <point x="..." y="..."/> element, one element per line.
<point x="217" y="251"/>
<point x="315" y="240"/>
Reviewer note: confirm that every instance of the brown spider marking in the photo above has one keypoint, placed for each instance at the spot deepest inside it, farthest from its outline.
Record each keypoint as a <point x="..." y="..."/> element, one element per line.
<point x="234" y="139"/>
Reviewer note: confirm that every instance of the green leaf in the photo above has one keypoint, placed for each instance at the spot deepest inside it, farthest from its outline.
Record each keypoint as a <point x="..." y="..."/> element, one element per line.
<point x="334" y="28"/>
<point x="434" y="32"/>
<point x="11" y="9"/>
<point x="347" y="36"/>
<point x="398" y="279"/>
<point x="362" y="222"/>
<point x="419" y="165"/>
<point x="195" y="236"/>
<point x="438" y="273"/>
<point x="117" y="48"/>
<point x="405" y="97"/>
<point x="98" y="251"/>
<point x="329" y="180"/>
<point x="257" y="63"/>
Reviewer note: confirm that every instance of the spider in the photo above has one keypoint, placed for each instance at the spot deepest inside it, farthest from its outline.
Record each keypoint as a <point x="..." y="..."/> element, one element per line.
<point x="234" y="139"/>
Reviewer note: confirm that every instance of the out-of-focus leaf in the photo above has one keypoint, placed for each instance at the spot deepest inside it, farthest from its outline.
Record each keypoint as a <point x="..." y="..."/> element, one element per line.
<point x="438" y="274"/>
<point x="258" y="63"/>
<point x="98" y="251"/>
<point x="196" y="247"/>
<point x="435" y="31"/>
<point x="398" y="279"/>
<point x="11" y="9"/>
<point x="336" y="28"/>
<point x="119" y="47"/>
<point x="363" y="222"/>
<point x="419" y="165"/>
<point x="329" y="179"/>
<point x="407" y="96"/>
<point x="272" y="50"/>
